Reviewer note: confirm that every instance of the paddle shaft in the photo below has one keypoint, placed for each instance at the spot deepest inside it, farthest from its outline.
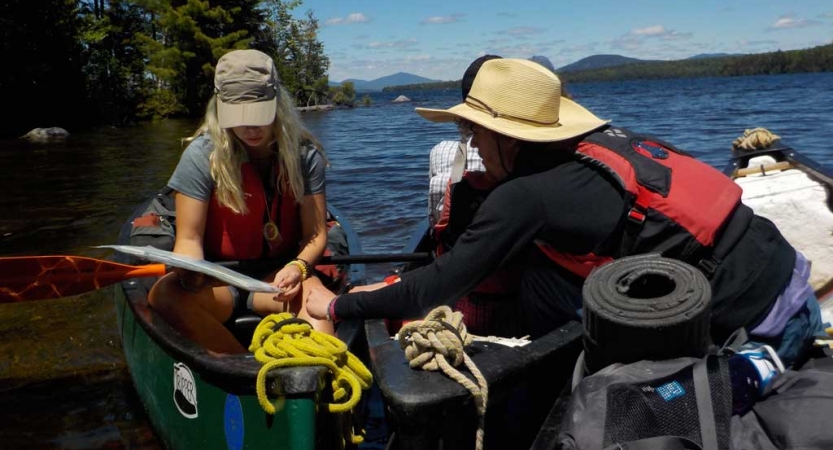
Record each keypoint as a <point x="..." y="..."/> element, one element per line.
<point x="375" y="259"/>
<point x="382" y="258"/>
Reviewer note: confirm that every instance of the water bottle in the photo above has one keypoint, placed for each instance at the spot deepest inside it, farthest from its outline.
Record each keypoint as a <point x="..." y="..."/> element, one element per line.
<point x="751" y="371"/>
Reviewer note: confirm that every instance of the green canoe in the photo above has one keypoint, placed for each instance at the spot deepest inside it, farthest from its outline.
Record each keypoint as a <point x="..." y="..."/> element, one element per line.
<point x="199" y="400"/>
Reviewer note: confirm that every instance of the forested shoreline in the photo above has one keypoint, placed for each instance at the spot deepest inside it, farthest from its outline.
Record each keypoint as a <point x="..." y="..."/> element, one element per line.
<point x="816" y="59"/>
<point x="82" y="63"/>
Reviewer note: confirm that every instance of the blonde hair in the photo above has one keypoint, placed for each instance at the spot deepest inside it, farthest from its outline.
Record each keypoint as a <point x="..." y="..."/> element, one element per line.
<point x="228" y="153"/>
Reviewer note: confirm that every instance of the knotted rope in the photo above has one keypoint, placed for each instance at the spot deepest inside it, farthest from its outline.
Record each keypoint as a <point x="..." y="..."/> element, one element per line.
<point x="438" y="343"/>
<point x="754" y="139"/>
<point x="281" y="340"/>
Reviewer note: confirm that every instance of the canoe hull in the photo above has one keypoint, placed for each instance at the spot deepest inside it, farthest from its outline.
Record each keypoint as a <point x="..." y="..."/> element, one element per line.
<point x="796" y="193"/>
<point x="189" y="411"/>
<point x="198" y="400"/>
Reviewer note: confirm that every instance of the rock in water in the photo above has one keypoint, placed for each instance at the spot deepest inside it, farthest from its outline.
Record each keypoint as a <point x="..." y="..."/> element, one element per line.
<point x="401" y="99"/>
<point x="46" y="134"/>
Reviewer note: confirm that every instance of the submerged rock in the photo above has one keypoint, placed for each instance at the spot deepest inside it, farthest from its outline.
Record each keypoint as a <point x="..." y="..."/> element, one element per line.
<point x="46" y="134"/>
<point x="400" y="99"/>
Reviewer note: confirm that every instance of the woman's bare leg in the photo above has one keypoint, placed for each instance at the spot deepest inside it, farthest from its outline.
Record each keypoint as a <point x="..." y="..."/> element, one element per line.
<point x="198" y="316"/>
<point x="264" y="304"/>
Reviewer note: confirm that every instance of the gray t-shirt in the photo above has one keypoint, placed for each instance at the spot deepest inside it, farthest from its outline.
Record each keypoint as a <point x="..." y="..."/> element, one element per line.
<point x="192" y="175"/>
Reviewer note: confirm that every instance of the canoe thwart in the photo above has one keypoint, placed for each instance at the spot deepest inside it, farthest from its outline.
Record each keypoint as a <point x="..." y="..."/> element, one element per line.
<point x="764" y="169"/>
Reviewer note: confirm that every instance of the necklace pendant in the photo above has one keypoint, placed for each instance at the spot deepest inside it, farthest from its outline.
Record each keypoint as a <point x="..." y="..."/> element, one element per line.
<point x="272" y="234"/>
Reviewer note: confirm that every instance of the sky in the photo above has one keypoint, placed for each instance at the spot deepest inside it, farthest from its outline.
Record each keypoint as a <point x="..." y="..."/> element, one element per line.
<point x="369" y="39"/>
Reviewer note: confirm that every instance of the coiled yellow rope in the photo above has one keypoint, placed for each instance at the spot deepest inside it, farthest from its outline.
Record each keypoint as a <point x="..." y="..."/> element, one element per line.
<point x="280" y="341"/>
<point x="754" y="139"/>
<point x="438" y="343"/>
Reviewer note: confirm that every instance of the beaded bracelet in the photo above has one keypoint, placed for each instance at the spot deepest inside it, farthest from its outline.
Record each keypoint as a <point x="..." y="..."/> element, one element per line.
<point x="306" y="264"/>
<point x="331" y="310"/>
<point x="301" y="266"/>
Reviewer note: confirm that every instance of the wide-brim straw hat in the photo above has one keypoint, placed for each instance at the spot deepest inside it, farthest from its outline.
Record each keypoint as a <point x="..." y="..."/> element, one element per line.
<point x="247" y="87"/>
<point x="519" y="99"/>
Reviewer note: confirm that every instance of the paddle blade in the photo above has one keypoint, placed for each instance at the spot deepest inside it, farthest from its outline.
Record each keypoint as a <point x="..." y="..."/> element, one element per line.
<point x="28" y="278"/>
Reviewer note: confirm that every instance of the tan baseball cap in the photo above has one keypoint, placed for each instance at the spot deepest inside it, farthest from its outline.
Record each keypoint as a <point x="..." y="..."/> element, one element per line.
<point x="246" y="83"/>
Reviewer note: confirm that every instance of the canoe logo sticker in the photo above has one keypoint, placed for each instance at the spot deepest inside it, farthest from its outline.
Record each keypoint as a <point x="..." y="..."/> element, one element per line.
<point x="185" y="391"/>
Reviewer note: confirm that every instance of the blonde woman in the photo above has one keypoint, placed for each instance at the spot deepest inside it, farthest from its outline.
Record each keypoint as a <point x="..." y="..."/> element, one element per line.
<point x="249" y="185"/>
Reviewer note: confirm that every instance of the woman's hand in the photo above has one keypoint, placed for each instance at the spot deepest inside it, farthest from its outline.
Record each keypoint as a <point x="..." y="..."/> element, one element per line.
<point x="318" y="301"/>
<point x="289" y="281"/>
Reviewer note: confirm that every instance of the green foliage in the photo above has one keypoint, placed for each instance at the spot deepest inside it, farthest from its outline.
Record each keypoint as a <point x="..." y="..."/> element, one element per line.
<point x="42" y="77"/>
<point x="85" y="62"/>
<point x="366" y="100"/>
<point x="298" y="52"/>
<point x="185" y="41"/>
<point x="344" y="95"/>
<point x="159" y="104"/>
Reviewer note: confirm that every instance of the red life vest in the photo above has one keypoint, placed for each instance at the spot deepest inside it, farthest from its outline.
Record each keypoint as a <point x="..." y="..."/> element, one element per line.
<point x="232" y="236"/>
<point x="678" y="206"/>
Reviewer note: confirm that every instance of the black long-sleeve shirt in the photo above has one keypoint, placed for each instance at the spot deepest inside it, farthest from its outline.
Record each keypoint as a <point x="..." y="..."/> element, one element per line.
<point x="574" y="207"/>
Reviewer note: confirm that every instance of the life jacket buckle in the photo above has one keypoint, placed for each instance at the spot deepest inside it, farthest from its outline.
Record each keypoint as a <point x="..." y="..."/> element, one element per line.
<point x="637" y="216"/>
<point x="708" y="266"/>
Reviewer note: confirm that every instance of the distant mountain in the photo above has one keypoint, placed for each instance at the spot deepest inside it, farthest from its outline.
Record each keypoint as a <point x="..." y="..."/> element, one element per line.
<point x="714" y="55"/>
<point x="378" y="84"/>
<point x="599" y="62"/>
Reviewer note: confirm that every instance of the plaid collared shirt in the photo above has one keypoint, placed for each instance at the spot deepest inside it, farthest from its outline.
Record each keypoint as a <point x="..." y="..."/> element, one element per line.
<point x="441" y="163"/>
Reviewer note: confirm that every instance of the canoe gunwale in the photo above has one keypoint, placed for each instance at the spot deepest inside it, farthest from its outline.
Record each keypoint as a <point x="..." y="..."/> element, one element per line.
<point x="781" y="152"/>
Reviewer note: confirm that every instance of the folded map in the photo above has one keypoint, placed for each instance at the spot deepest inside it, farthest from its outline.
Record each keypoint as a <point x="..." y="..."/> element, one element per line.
<point x="211" y="269"/>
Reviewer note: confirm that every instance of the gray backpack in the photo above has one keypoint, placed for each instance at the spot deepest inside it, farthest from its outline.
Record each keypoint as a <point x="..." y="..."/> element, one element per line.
<point x="685" y="404"/>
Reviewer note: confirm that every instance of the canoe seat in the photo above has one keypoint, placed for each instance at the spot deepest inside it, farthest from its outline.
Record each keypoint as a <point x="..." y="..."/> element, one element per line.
<point x="243" y="328"/>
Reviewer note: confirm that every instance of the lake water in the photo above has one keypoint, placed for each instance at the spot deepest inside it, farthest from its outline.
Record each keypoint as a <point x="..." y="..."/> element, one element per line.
<point x="63" y="198"/>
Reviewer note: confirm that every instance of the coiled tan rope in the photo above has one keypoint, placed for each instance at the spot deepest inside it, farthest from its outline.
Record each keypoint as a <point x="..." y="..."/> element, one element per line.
<point x="281" y="340"/>
<point x="754" y="139"/>
<point x="438" y="343"/>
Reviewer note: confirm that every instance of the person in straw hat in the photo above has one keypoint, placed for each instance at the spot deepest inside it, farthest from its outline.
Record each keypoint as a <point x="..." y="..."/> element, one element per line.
<point x="249" y="185"/>
<point x="575" y="192"/>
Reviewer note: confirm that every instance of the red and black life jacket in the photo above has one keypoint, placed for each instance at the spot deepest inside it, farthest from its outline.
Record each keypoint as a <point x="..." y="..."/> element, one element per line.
<point x="674" y="205"/>
<point x="677" y="206"/>
<point x="233" y="236"/>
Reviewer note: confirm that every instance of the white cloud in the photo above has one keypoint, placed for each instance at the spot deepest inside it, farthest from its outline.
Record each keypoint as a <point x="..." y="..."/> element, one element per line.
<point x="441" y="20"/>
<point x="402" y="43"/>
<point x="351" y="18"/>
<point x="788" y="22"/>
<point x="522" y="31"/>
<point x="656" y="30"/>
<point x="637" y="38"/>
<point x="418" y="58"/>
<point x="659" y="31"/>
